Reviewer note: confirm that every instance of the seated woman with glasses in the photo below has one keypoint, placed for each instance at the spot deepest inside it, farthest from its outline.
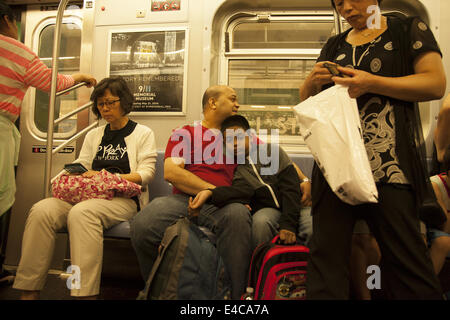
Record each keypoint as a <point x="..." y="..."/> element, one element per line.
<point x="121" y="146"/>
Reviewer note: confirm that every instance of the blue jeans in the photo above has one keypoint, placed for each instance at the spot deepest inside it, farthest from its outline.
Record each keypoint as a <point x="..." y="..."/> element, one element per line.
<point x="231" y="224"/>
<point x="432" y="234"/>
<point x="265" y="225"/>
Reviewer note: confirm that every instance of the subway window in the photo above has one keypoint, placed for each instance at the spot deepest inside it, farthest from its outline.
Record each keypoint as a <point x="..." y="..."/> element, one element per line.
<point x="69" y="63"/>
<point x="266" y="59"/>
<point x="280" y="34"/>
<point x="267" y="91"/>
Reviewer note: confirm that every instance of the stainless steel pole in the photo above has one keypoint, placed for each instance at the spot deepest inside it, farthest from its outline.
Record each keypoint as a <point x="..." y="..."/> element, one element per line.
<point x="51" y="107"/>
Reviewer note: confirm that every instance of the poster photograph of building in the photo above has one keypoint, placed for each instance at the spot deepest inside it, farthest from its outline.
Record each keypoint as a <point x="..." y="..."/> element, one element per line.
<point x="153" y="64"/>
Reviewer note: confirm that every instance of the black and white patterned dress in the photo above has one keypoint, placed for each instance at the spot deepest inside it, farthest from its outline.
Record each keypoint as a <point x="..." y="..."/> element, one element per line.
<point x="377" y="111"/>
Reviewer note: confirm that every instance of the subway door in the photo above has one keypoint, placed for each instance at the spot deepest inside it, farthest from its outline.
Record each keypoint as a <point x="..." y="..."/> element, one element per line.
<point x="39" y="33"/>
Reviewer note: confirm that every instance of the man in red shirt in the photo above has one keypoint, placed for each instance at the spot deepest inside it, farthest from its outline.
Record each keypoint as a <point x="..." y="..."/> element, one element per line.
<point x="194" y="162"/>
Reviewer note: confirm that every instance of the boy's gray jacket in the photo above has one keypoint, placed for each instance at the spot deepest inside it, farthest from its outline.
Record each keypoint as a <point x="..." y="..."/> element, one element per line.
<point x="262" y="183"/>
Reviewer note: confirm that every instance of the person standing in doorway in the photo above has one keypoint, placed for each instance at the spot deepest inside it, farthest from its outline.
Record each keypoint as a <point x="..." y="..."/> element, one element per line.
<point x="20" y="68"/>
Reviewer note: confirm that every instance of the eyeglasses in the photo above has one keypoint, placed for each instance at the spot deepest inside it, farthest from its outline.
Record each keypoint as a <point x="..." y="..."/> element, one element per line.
<point x="109" y="104"/>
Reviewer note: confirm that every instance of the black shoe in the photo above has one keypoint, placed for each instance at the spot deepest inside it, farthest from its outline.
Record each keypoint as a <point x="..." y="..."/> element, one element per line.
<point x="6" y="278"/>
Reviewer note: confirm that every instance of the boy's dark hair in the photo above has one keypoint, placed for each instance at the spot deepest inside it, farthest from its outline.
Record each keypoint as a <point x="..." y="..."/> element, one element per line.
<point x="235" y="121"/>
<point x="446" y="161"/>
<point x="332" y="3"/>
<point x="118" y="87"/>
<point x="6" y="10"/>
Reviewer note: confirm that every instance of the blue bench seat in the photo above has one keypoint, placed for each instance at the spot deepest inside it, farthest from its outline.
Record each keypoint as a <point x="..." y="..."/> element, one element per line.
<point x="159" y="187"/>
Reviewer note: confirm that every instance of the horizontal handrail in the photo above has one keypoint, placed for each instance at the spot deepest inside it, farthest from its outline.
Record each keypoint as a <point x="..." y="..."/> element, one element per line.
<point x="71" y="88"/>
<point x="68" y="115"/>
<point x="79" y="134"/>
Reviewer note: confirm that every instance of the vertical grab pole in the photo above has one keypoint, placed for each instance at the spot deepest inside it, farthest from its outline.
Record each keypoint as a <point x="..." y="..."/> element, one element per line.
<point x="51" y="107"/>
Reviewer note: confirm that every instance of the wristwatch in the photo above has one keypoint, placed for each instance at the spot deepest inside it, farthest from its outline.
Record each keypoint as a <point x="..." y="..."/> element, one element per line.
<point x="306" y="180"/>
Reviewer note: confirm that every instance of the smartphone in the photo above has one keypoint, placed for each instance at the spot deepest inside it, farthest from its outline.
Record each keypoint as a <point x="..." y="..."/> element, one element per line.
<point x="75" y="168"/>
<point x="333" y="69"/>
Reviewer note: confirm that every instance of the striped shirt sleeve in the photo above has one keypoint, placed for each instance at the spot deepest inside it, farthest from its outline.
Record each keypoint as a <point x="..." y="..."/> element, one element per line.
<point x="38" y="75"/>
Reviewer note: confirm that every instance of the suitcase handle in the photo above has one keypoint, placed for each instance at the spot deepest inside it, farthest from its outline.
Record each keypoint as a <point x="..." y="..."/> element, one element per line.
<point x="276" y="239"/>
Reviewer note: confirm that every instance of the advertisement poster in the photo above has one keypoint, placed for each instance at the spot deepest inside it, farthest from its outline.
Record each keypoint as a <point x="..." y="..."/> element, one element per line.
<point x="153" y="65"/>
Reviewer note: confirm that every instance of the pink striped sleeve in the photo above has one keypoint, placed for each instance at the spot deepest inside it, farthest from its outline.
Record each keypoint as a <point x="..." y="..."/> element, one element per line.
<point x="38" y="75"/>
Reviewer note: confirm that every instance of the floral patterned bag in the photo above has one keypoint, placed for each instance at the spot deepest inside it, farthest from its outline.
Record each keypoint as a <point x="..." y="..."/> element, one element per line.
<point x="105" y="185"/>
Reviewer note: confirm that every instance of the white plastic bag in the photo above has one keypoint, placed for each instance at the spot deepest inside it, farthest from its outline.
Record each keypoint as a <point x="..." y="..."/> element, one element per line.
<point x="331" y="127"/>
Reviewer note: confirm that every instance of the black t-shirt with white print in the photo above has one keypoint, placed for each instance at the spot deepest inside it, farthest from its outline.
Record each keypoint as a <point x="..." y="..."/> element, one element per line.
<point x="112" y="152"/>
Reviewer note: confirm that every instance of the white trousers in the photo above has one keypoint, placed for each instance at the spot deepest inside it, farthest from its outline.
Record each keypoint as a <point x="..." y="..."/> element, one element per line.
<point x="85" y="222"/>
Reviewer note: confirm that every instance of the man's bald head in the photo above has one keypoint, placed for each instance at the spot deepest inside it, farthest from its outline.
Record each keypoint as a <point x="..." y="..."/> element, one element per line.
<point x="213" y="92"/>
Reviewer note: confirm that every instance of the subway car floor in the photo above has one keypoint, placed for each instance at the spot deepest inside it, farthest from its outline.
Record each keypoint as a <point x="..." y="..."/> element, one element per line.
<point x="121" y="278"/>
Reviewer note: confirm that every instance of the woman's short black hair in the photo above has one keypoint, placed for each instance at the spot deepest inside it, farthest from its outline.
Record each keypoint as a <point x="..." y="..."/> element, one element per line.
<point x="235" y="121"/>
<point x="6" y="10"/>
<point x="119" y="88"/>
<point x="332" y="3"/>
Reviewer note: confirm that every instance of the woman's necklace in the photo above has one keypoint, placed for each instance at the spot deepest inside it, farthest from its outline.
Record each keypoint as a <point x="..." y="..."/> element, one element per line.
<point x="368" y="33"/>
<point x="360" y="58"/>
<point x="365" y="53"/>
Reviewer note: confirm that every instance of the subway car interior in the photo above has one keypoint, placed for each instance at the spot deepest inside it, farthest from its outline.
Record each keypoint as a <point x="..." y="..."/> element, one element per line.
<point x="169" y="53"/>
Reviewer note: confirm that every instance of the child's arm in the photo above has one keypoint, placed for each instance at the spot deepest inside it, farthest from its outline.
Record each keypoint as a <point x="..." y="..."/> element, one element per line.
<point x="288" y="184"/>
<point x="239" y="192"/>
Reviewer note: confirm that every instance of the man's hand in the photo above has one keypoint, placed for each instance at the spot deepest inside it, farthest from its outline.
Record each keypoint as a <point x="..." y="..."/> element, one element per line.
<point x="194" y="206"/>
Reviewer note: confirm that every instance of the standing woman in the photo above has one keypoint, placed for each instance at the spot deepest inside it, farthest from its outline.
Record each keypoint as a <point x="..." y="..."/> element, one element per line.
<point x="20" y="68"/>
<point x="120" y="146"/>
<point x="388" y="68"/>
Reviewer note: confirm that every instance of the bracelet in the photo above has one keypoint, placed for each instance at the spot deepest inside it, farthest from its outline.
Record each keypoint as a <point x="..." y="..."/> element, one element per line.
<point x="306" y="180"/>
